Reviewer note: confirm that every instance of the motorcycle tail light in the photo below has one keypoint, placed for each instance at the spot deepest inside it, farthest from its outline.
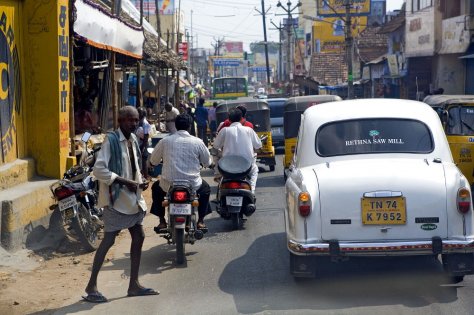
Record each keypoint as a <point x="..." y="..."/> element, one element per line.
<point x="63" y="192"/>
<point x="304" y="204"/>
<point x="464" y="200"/>
<point x="180" y="219"/>
<point x="180" y="195"/>
<point x="235" y="185"/>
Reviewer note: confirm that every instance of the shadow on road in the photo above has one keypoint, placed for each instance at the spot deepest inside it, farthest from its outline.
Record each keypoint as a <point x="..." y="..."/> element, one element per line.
<point x="260" y="281"/>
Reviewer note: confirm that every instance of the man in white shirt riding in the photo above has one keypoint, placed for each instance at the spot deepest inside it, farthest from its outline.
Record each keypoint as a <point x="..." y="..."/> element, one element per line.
<point x="239" y="140"/>
<point x="182" y="156"/>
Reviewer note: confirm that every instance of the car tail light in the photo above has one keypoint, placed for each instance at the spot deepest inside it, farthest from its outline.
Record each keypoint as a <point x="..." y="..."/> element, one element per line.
<point x="235" y="185"/>
<point x="180" y="195"/>
<point x="464" y="200"/>
<point x="304" y="204"/>
<point x="63" y="192"/>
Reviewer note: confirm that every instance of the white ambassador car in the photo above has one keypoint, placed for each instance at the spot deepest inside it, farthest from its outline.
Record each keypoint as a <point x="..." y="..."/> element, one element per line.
<point x="375" y="177"/>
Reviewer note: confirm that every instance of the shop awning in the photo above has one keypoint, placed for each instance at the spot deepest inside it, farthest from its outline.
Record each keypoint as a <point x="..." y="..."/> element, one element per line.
<point x="100" y="29"/>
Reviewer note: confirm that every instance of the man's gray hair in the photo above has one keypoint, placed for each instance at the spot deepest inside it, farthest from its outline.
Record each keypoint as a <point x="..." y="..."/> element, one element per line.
<point x="126" y="111"/>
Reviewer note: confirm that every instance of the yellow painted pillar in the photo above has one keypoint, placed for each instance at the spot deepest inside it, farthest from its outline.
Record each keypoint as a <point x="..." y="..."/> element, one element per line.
<point x="47" y="88"/>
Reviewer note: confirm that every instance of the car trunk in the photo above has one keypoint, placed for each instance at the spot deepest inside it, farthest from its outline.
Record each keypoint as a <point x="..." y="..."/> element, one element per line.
<point x="348" y="187"/>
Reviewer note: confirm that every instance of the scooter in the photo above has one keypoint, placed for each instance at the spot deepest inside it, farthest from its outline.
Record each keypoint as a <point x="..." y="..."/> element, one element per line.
<point x="182" y="203"/>
<point x="234" y="195"/>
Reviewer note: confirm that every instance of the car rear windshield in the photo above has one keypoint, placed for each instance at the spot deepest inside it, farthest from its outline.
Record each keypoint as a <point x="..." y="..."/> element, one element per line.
<point x="375" y="135"/>
<point x="277" y="108"/>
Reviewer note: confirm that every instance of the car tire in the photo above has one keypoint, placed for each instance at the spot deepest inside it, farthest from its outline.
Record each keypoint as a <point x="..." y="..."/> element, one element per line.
<point x="272" y="168"/>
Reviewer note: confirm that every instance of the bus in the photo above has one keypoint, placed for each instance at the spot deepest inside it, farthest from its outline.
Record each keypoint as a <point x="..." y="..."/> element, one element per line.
<point x="229" y="88"/>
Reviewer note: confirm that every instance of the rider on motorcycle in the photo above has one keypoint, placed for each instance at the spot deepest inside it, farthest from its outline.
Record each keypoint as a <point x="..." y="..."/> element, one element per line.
<point x="182" y="156"/>
<point x="239" y="140"/>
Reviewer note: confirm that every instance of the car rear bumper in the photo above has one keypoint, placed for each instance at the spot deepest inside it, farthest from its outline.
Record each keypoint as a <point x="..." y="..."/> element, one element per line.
<point x="402" y="248"/>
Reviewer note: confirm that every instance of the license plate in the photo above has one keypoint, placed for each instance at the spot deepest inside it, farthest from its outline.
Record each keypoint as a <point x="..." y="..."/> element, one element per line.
<point x="67" y="203"/>
<point x="276" y="130"/>
<point x="234" y="201"/>
<point x="383" y="211"/>
<point x="180" y="208"/>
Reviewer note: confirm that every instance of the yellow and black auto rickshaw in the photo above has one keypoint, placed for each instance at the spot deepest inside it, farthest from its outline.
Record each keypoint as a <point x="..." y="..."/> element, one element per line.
<point x="294" y="107"/>
<point x="258" y="113"/>
<point x="457" y="115"/>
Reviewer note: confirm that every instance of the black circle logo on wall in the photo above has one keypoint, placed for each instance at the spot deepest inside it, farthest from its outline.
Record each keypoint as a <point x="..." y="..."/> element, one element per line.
<point x="7" y="87"/>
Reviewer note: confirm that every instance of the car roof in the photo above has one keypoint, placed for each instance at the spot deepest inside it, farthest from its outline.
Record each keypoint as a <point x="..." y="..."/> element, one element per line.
<point x="442" y="99"/>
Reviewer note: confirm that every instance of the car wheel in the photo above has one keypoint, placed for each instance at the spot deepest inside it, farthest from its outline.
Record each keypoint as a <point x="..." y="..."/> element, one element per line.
<point x="272" y="168"/>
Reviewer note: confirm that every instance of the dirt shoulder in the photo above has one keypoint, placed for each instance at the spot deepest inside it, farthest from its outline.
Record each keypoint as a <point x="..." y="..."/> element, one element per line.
<point x="33" y="281"/>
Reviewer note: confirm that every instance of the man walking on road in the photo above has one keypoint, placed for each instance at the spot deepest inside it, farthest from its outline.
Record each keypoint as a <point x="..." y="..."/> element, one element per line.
<point x="201" y="121"/>
<point x="118" y="170"/>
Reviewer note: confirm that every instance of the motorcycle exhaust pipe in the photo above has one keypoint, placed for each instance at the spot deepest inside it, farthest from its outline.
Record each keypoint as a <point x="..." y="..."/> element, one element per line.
<point x="250" y="209"/>
<point x="198" y="234"/>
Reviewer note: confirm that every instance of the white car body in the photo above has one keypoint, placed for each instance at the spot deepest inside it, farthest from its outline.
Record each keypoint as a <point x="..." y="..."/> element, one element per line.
<point x="337" y="185"/>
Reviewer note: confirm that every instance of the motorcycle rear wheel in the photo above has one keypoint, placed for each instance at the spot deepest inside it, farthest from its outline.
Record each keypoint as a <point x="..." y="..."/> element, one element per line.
<point x="86" y="229"/>
<point x="180" y="248"/>
<point x="235" y="221"/>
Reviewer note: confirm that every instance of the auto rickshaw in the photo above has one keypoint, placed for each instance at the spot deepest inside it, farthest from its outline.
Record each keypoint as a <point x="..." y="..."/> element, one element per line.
<point x="294" y="107"/>
<point x="457" y="116"/>
<point x="258" y="113"/>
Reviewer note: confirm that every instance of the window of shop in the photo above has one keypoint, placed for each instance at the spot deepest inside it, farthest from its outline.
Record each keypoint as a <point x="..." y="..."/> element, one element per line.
<point x="450" y="9"/>
<point x="418" y="5"/>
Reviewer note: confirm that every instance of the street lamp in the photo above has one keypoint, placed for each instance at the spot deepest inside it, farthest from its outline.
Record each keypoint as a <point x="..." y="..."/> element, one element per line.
<point x="288" y="10"/>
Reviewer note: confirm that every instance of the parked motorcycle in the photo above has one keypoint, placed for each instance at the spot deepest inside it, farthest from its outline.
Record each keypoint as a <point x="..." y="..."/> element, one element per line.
<point x="182" y="203"/>
<point x="234" y="195"/>
<point x="76" y="195"/>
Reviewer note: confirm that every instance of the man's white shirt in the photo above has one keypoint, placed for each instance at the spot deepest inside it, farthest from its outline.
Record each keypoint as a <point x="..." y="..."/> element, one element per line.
<point x="182" y="156"/>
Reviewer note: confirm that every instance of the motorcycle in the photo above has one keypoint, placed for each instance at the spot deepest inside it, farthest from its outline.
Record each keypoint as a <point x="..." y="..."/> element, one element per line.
<point x="76" y="195"/>
<point x="234" y="195"/>
<point x="182" y="203"/>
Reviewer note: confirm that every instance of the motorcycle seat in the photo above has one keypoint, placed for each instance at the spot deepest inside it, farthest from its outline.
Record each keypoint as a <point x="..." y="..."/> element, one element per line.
<point x="234" y="166"/>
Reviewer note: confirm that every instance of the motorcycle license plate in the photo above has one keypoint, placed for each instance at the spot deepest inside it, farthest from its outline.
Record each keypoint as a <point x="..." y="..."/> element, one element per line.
<point x="67" y="203"/>
<point x="180" y="208"/>
<point x="234" y="201"/>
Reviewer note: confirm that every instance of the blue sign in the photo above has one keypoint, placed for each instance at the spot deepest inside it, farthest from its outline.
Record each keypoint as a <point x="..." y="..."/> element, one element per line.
<point x="259" y="69"/>
<point x="226" y="62"/>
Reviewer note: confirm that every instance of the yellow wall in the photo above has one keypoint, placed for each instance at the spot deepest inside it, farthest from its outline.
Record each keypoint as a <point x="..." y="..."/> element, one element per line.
<point x="45" y="30"/>
<point x="11" y="103"/>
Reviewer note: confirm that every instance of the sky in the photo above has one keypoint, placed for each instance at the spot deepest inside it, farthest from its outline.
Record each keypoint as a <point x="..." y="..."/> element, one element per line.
<point x="236" y="20"/>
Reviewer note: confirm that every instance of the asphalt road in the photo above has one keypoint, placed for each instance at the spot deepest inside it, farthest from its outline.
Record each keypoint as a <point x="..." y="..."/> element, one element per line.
<point x="246" y="272"/>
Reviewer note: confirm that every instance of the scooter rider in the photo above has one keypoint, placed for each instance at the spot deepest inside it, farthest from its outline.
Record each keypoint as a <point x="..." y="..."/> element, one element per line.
<point x="182" y="156"/>
<point x="239" y="140"/>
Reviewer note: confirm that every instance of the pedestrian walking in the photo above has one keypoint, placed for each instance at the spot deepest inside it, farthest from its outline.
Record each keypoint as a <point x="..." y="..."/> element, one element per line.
<point x="118" y="170"/>
<point x="201" y="115"/>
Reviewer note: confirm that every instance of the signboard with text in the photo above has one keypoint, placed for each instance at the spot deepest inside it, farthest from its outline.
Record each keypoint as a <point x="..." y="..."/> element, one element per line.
<point x="166" y="7"/>
<point x="337" y="8"/>
<point x="226" y="62"/>
<point x="329" y="35"/>
<point x="183" y="50"/>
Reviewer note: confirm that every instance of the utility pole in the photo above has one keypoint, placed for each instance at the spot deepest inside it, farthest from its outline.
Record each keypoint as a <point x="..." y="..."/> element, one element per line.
<point x="289" y="26"/>
<point x="349" y="49"/>
<point x="139" y="100"/>
<point x="178" y="41"/>
<point x="267" y="64"/>
<point x="280" y="29"/>
<point x="112" y="78"/>
<point x="217" y="47"/>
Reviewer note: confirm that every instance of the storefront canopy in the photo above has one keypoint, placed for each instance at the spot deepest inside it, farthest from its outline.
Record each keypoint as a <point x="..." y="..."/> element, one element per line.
<point x="100" y="29"/>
